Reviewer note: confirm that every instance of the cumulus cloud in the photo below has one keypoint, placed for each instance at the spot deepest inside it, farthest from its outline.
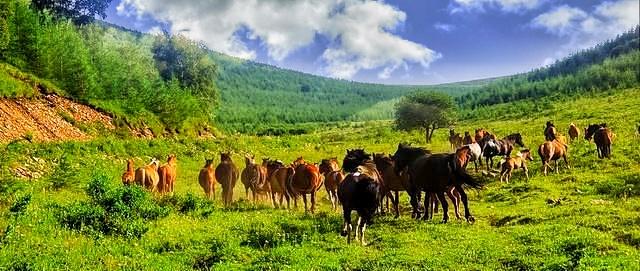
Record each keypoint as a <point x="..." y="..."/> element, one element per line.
<point x="361" y="33"/>
<point x="444" y="27"/>
<point x="584" y="29"/>
<point x="504" y="5"/>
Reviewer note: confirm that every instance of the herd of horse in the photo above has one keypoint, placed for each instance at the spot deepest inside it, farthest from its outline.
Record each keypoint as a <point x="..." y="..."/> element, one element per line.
<point x="365" y="180"/>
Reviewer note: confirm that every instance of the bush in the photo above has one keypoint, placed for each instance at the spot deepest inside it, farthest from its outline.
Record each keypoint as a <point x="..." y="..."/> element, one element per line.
<point x="120" y="211"/>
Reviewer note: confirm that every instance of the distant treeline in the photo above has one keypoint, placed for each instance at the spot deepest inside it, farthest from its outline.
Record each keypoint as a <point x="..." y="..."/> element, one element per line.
<point x="613" y="64"/>
<point x="126" y="74"/>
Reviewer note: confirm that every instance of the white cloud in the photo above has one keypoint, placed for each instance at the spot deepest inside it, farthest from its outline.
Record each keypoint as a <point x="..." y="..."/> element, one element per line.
<point x="360" y="32"/>
<point x="504" y="5"/>
<point x="444" y="27"/>
<point x="583" y="29"/>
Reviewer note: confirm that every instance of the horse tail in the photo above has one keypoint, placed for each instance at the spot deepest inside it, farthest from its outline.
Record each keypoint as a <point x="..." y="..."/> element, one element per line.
<point x="289" y="182"/>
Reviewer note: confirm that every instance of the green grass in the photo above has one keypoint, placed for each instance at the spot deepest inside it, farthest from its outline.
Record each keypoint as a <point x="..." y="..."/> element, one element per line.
<point x="15" y="83"/>
<point x="585" y="218"/>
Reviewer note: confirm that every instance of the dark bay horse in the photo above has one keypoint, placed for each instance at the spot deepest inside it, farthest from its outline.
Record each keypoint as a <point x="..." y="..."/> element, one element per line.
<point x="392" y="181"/>
<point x="227" y="175"/>
<point x="435" y="173"/>
<point x="502" y="147"/>
<point x="361" y="190"/>
<point x="602" y="136"/>
<point x="550" y="131"/>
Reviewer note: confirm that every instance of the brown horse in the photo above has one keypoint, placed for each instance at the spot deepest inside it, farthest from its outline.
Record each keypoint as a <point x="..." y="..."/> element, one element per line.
<point x="129" y="176"/>
<point x="279" y="176"/>
<point x="455" y="139"/>
<point x="468" y="139"/>
<point x="602" y="136"/>
<point x="574" y="132"/>
<point x="552" y="151"/>
<point x="550" y="131"/>
<point x="147" y="176"/>
<point x="481" y="134"/>
<point x="227" y="174"/>
<point x="306" y="180"/>
<point x="207" y="179"/>
<point x="511" y="163"/>
<point x="392" y="181"/>
<point x="254" y="178"/>
<point x="435" y="173"/>
<point x="359" y="191"/>
<point x="167" y="175"/>
<point x="332" y="178"/>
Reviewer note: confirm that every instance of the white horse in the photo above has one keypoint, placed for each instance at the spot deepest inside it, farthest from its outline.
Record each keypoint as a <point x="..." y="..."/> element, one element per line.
<point x="476" y="154"/>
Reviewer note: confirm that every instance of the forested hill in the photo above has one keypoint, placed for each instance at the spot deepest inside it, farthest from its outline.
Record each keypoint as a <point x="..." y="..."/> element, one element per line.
<point x="614" y="64"/>
<point x="258" y="96"/>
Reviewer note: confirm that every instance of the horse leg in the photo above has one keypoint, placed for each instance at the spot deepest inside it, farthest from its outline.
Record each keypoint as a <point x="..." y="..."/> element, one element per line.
<point x="346" y="229"/>
<point x="427" y="205"/>
<point x="445" y="207"/>
<point x="396" y="203"/>
<point x="564" y="157"/>
<point x="455" y="199"/>
<point x="304" y="199"/>
<point x="526" y="172"/>
<point x="362" y="224"/>
<point x="465" y="202"/>
<point x="475" y="163"/>
<point x="313" y="202"/>
<point x="255" y="195"/>
<point x="413" y="194"/>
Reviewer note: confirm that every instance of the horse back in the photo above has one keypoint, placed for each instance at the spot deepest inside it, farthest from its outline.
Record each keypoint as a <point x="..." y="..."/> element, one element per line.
<point x="430" y="173"/>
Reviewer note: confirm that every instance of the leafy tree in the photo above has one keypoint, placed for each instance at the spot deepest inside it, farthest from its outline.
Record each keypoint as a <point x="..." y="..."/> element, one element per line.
<point x="424" y="110"/>
<point x="79" y="11"/>
<point x="180" y="58"/>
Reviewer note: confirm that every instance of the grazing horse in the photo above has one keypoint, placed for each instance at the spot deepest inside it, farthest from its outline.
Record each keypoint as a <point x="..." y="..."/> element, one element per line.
<point x="502" y="147"/>
<point x="129" y="176"/>
<point x="332" y="178"/>
<point x="168" y="174"/>
<point x="254" y="178"/>
<point x="147" y="176"/>
<point x="552" y="151"/>
<point x="392" y="181"/>
<point x="455" y="139"/>
<point x="278" y="178"/>
<point x="468" y="139"/>
<point x="574" y="132"/>
<point x="511" y="163"/>
<point x="207" y="179"/>
<point x="361" y="190"/>
<point x="550" y="131"/>
<point x="435" y="173"/>
<point x="602" y="136"/>
<point x="306" y="179"/>
<point x="227" y="174"/>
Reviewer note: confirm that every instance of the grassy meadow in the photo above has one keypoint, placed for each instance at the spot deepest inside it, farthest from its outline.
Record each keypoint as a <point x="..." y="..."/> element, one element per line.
<point x="585" y="218"/>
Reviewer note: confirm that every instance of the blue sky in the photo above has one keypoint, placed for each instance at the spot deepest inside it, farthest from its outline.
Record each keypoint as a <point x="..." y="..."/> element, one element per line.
<point x="391" y="42"/>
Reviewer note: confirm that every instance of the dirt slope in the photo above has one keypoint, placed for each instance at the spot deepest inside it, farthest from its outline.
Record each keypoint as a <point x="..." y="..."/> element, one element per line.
<point x="48" y="118"/>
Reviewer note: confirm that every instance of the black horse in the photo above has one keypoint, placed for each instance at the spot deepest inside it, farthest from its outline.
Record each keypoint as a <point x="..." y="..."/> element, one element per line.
<point x="435" y="173"/>
<point x="502" y="147"/>
<point x="360" y="191"/>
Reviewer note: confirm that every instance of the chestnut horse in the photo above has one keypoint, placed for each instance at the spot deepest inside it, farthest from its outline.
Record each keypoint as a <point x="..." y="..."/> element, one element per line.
<point x="279" y="176"/>
<point x="129" y="176"/>
<point x="167" y="175"/>
<point x="392" y="181"/>
<point x="147" y="176"/>
<point x="602" y="136"/>
<point x="207" y="179"/>
<point x="306" y="179"/>
<point x="332" y="178"/>
<point x="435" y="173"/>
<point x="360" y="191"/>
<point x="574" y="132"/>
<point x="550" y="131"/>
<point x="511" y="163"/>
<point x="227" y="174"/>
<point x="552" y="151"/>
<point x="254" y="178"/>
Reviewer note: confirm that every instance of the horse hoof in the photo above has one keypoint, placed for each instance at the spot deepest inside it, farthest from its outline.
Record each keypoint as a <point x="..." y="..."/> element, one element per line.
<point x="471" y="220"/>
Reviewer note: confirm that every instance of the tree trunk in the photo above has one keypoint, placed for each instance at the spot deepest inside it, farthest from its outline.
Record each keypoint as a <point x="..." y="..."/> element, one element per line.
<point x="427" y="135"/>
<point x="433" y="129"/>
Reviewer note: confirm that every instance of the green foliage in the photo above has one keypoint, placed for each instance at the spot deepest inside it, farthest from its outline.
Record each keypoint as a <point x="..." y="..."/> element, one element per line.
<point x="122" y="211"/>
<point x="424" y="110"/>
<point x="81" y="12"/>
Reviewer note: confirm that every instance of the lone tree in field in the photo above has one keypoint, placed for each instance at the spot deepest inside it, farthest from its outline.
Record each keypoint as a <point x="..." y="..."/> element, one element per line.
<point x="424" y="110"/>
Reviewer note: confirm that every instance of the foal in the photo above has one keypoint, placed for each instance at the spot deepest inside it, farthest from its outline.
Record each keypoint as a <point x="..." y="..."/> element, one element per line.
<point x="517" y="162"/>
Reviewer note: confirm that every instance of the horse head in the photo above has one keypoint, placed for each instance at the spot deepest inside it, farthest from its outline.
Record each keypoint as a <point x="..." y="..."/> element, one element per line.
<point x="405" y="155"/>
<point x="208" y="162"/>
<point x="589" y="131"/>
<point x="225" y="156"/>
<point x="516" y="138"/>
<point x="526" y="154"/>
<point x="355" y="158"/>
